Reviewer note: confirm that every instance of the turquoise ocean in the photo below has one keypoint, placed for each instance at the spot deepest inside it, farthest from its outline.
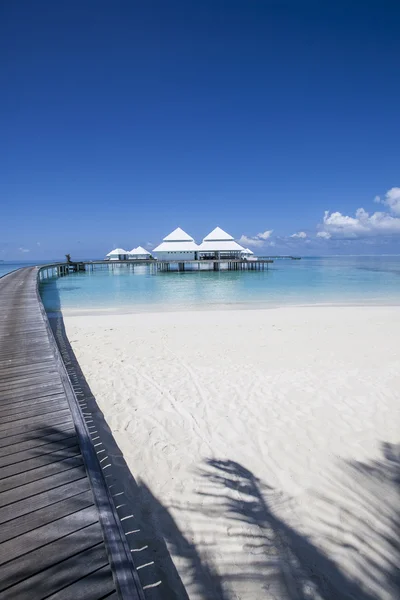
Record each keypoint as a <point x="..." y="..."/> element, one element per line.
<point x="329" y="280"/>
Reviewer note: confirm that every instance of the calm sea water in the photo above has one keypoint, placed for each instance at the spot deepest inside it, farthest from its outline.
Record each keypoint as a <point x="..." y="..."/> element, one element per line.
<point x="7" y="267"/>
<point x="333" y="280"/>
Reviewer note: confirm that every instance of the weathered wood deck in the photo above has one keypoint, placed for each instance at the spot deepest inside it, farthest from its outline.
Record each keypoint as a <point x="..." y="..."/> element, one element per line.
<point x="58" y="536"/>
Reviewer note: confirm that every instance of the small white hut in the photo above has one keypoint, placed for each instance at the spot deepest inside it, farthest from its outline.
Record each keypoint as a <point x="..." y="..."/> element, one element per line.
<point x="139" y="253"/>
<point x="178" y="245"/>
<point x="248" y="254"/>
<point x="219" y="244"/>
<point x="118" y="254"/>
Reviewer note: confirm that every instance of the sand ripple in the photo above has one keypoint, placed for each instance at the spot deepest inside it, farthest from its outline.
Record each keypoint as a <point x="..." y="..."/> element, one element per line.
<point x="265" y="443"/>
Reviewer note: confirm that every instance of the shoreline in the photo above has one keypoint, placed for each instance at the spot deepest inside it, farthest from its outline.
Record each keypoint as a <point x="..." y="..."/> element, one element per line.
<point x="161" y="309"/>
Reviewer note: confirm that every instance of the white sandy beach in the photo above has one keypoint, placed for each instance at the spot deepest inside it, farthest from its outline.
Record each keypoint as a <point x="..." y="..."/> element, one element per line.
<point x="270" y="436"/>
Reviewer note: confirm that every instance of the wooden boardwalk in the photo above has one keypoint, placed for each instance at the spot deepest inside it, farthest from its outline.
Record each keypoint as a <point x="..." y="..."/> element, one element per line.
<point x="58" y="536"/>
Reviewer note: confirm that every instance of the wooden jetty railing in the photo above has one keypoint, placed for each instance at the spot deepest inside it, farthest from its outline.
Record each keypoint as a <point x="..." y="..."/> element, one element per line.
<point x="63" y="268"/>
<point x="60" y="534"/>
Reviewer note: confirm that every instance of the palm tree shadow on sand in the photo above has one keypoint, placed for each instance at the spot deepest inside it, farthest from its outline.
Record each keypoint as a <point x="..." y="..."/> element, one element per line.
<point x="200" y="576"/>
<point x="289" y="565"/>
<point x="279" y="561"/>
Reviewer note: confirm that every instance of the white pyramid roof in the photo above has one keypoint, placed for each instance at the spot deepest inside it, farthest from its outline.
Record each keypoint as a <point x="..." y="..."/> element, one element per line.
<point x="217" y="234"/>
<point x="139" y="250"/>
<point x="247" y="251"/>
<point x="177" y="241"/>
<point x="177" y="247"/>
<point x="117" y="251"/>
<point x="220" y="246"/>
<point x="178" y="235"/>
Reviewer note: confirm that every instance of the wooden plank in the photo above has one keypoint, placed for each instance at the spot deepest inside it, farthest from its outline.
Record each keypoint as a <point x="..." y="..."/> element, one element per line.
<point x="34" y="411"/>
<point x="19" y="426"/>
<point x="18" y="353"/>
<point x="14" y="407"/>
<point x="9" y="352"/>
<point x="13" y="443"/>
<point x="56" y="420"/>
<point x="94" y="586"/>
<point x="23" y="358"/>
<point x="45" y="515"/>
<point x="11" y="330"/>
<point x="24" y="340"/>
<point x="29" y="505"/>
<point x="39" y="368"/>
<point x="63" y="574"/>
<point x="25" y="567"/>
<point x="14" y="495"/>
<point x="25" y="463"/>
<point x="34" y="391"/>
<point x="33" y="395"/>
<point x="41" y="536"/>
<point x="20" y="383"/>
<point x="36" y="451"/>
<point x="42" y="472"/>
<point x="36" y="361"/>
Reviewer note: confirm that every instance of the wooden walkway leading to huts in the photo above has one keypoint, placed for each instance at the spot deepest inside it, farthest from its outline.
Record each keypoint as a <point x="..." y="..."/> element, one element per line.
<point x="58" y="533"/>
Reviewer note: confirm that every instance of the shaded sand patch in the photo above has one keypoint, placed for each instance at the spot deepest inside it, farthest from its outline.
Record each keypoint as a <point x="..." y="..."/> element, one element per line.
<point x="265" y="443"/>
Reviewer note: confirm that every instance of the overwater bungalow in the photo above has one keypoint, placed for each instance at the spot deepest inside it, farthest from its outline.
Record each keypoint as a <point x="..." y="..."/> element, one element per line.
<point x="219" y="245"/>
<point x="177" y="246"/>
<point x="118" y="254"/>
<point x="139" y="253"/>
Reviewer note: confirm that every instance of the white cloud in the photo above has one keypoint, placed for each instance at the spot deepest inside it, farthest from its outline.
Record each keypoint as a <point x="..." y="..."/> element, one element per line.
<point x="149" y="245"/>
<point x="363" y="224"/>
<point x="301" y="234"/>
<point x="21" y="249"/>
<point x="391" y="199"/>
<point x="264" y="236"/>
<point x="251" y="241"/>
<point x="38" y="244"/>
<point x="257" y="240"/>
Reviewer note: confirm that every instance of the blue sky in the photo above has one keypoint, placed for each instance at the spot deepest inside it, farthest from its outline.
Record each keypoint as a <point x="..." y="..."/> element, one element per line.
<point x="123" y="120"/>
